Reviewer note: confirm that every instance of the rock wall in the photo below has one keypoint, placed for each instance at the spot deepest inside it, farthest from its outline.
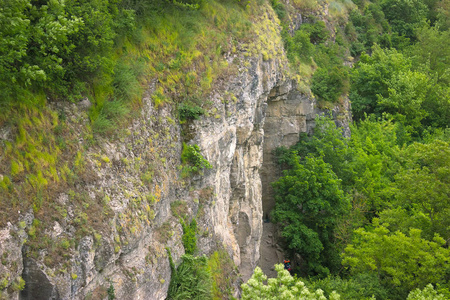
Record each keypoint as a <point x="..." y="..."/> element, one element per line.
<point x="290" y="113"/>
<point x="235" y="146"/>
<point x="134" y="188"/>
<point x="132" y="185"/>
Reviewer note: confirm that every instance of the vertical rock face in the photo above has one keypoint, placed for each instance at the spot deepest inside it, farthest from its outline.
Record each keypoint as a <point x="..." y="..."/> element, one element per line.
<point x="128" y="252"/>
<point x="289" y="113"/>
<point x="136" y="180"/>
<point x="234" y="145"/>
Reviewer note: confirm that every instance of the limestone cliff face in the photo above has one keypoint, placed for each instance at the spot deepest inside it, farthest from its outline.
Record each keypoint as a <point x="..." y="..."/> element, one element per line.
<point x="288" y="114"/>
<point x="234" y="145"/>
<point x="135" y="181"/>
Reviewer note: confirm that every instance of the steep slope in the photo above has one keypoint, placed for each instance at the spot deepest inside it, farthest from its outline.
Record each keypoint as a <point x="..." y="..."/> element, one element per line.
<point x="116" y="205"/>
<point x="111" y="227"/>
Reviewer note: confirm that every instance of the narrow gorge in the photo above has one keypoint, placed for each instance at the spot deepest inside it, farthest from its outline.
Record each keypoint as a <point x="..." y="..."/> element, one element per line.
<point x="132" y="196"/>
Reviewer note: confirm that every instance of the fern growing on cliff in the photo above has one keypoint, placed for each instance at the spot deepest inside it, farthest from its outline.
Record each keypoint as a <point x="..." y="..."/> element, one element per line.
<point x="191" y="280"/>
<point x="189" y="236"/>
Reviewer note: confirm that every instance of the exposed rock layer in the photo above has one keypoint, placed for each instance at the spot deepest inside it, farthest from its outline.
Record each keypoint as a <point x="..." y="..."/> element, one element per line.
<point x="253" y="113"/>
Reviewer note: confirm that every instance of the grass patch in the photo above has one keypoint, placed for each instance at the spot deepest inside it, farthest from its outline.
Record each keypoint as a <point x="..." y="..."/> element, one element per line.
<point x="179" y="208"/>
<point x="224" y="274"/>
<point x="191" y="280"/>
<point x="189" y="236"/>
<point x="110" y="117"/>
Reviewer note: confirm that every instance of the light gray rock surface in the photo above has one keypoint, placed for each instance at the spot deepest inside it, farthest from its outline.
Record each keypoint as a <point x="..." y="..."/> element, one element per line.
<point x="251" y="114"/>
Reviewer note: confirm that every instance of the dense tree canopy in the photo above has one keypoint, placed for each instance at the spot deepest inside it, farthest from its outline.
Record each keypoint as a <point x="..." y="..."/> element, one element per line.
<point x="309" y="203"/>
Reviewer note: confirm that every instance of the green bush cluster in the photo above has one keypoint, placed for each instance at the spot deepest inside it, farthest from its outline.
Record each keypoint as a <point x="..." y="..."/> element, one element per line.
<point x="188" y="111"/>
<point x="309" y="202"/>
<point x="279" y="8"/>
<point x="189" y="238"/>
<point x="192" y="160"/>
<point x="311" y="46"/>
<point x="329" y="84"/>
<point x="56" y="46"/>
<point x="284" y="286"/>
<point x="397" y="187"/>
<point x="190" y="280"/>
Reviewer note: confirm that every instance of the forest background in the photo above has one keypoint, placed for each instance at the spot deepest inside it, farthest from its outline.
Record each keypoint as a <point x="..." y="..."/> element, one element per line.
<point x="369" y="213"/>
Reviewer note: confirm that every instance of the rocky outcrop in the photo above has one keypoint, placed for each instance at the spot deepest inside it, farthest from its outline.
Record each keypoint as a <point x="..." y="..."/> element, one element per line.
<point x="235" y="147"/>
<point x="132" y="186"/>
<point x="290" y="113"/>
<point x="114" y="225"/>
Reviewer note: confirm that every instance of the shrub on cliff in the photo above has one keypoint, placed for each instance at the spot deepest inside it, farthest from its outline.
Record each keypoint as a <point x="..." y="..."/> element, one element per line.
<point x="191" y="280"/>
<point x="193" y="161"/>
<point x="330" y="84"/>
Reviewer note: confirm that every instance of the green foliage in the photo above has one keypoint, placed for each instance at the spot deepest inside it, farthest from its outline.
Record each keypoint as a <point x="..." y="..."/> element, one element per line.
<point x="125" y="81"/>
<point x="431" y="56"/>
<point x="309" y="47"/>
<point x="34" y="40"/>
<point x="403" y="183"/>
<point x="191" y="280"/>
<point x="300" y="46"/>
<point x="391" y="166"/>
<point x="18" y="284"/>
<point x="110" y="116"/>
<point x="368" y="27"/>
<point x="111" y="292"/>
<point x="407" y="91"/>
<point x="329" y="142"/>
<point x="428" y="293"/>
<point x="188" y="111"/>
<point x="193" y="162"/>
<point x="189" y="236"/>
<point x="279" y="8"/>
<point x="385" y="82"/>
<point x="309" y="203"/>
<point x="330" y="84"/>
<point x="56" y="45"/>
<point x="427" y="166"/>
<point x="371" y="77"/>
<point x="362" y="286"/>
<point x="376" y="147"/>
<point x="404" y="15"/>
<point x="317" y="31"/>
<point x="284" y="286"/>
<point x="412" y="261"/>
<point x="224" y="275"/>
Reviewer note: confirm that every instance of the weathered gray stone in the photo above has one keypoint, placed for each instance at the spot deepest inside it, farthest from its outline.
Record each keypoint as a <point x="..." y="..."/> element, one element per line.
<point x="237" y="139"/>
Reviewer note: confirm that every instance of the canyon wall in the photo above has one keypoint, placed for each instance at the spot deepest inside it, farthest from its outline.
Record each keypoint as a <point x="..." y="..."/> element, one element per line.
<point x="134" y="190"/>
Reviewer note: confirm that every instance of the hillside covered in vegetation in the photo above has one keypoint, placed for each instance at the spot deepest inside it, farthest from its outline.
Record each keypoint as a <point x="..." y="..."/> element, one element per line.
<point x="131" y="132"/>
<point x="368" y="214"/>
